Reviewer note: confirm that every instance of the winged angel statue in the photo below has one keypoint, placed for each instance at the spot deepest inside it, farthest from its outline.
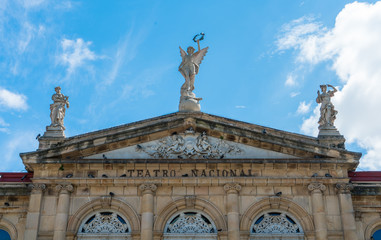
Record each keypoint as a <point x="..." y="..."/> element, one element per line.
<point x="189" y="67"/>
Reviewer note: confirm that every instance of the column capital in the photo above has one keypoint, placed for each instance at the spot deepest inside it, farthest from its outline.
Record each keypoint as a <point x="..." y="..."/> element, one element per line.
<point x="148" y="188"/>
<point x="317" y="187"/>
<point x="37" y="187"/>
<point x="64" y="188"/>
<point x="344" y="188"/>
<point x="232" y="187"/>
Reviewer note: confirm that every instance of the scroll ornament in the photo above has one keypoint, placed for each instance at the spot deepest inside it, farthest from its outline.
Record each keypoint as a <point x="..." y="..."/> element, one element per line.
<point x="316" y="186"/>
<point x="232" y="187"/>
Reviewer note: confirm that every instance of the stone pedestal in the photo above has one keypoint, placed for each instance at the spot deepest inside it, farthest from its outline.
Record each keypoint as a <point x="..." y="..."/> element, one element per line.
<point x="318" y="210"/>
<point x="147" y="205"/>
<point x="62" y="211"/>
<point x="346" y="210"/>
<point x="189" y="103"/>
<point x="33" y="216"/>
<point x="232" y="208"/>
<point x="53" y="135"/>
<point x="331" y="137"/>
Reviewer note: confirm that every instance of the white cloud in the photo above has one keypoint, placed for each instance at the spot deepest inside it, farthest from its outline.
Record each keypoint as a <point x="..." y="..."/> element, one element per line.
<point x="303" y="108"/>
<point x="294" y="94"/>
<point x="33" y="3"/>
<point x="310" y="125"/>
<point x="240" y="106"/>
<point x="126" y="51"/>
<point x="353" y="48"/>
<point x="3" y="126"/>
<point x="76" y="53"/>
<point x="19" y="142"/>
<point x="12" y="100"/>
<point x="290" y="81"/>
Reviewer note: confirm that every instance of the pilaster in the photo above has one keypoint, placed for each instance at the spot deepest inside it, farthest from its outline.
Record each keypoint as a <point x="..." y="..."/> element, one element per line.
<point x="62" y="214"/>
<point x="33" y="216"/>
<point x="318" y="210"/>
<point x="346" y="210"/>
<point x="147" y="205"/>
<point x="232" y="206"/>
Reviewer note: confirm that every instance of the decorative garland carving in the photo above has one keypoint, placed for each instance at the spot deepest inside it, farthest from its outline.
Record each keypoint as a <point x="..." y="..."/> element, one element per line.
<point x="275" y="223"/>
<point x="344" y="187"/>
<point x="189" y="222"/>
<point x="105" y="222"/>
<point x="232" y="187"/>
<point x="317" y="187"/>
<point x="189" y="145"/>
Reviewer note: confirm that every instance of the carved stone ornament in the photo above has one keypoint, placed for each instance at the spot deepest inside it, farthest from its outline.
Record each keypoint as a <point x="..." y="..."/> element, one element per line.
<point x="189" y="145"/>
<point x="271" y="223"/>
<point x="344" y="187"/>
<point x="327" y="110"/>
<point x="37" y="187"/>
<point x="105" y="222"/>
<point x="57" y="109"/>
<point x="190" y="201"/>
<point x="232" y="187"/>
<point x="190" y="222"/>
<point x="316" y="186"/>
<point x="64" y="188"/>
<point x="148" y="187"/>
<point x="189" y="67"/>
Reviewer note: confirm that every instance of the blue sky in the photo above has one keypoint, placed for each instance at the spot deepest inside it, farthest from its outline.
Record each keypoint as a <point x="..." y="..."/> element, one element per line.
<point x="117" y="61"/>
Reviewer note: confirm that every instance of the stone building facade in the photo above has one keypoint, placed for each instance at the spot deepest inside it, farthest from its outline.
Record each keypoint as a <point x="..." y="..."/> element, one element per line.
<point x="190" y="175"/>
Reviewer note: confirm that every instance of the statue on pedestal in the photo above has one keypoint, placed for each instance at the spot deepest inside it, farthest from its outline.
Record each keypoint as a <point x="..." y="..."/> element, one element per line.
<point x="57" y="109"/>
<point x="189" y="69"/>
<point x="327" y="110"/>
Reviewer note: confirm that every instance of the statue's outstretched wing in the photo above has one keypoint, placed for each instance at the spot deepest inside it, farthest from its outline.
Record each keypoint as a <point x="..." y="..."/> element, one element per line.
<point x="182" y="53"/>
<point x="199" y="56"/>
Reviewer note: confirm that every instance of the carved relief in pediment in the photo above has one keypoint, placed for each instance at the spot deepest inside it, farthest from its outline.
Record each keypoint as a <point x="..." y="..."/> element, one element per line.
<point x="190" y="145"/>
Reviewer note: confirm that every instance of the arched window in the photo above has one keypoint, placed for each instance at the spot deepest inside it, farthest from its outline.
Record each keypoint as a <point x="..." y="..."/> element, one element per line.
<point x="104" y="223"/>
<point x="190" y="225"/>
<point x="4" y="235"/>
<point x="272" y="225"/>
<point x="376" y="235"/>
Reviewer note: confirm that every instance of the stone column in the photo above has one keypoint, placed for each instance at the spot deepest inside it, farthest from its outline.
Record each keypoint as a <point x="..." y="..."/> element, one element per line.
<point x="232" y="206"/>
<point x="346" y="210"/>
<point x="318" y="210"/>
<point x="148" y="191"/>
<point x="62" y="213"/>
<point x="33" y="216"/>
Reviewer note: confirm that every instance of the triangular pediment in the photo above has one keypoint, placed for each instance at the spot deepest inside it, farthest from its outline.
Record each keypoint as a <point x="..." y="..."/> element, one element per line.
<point x="190" y="145"/>
<point x="155" y="138"/>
